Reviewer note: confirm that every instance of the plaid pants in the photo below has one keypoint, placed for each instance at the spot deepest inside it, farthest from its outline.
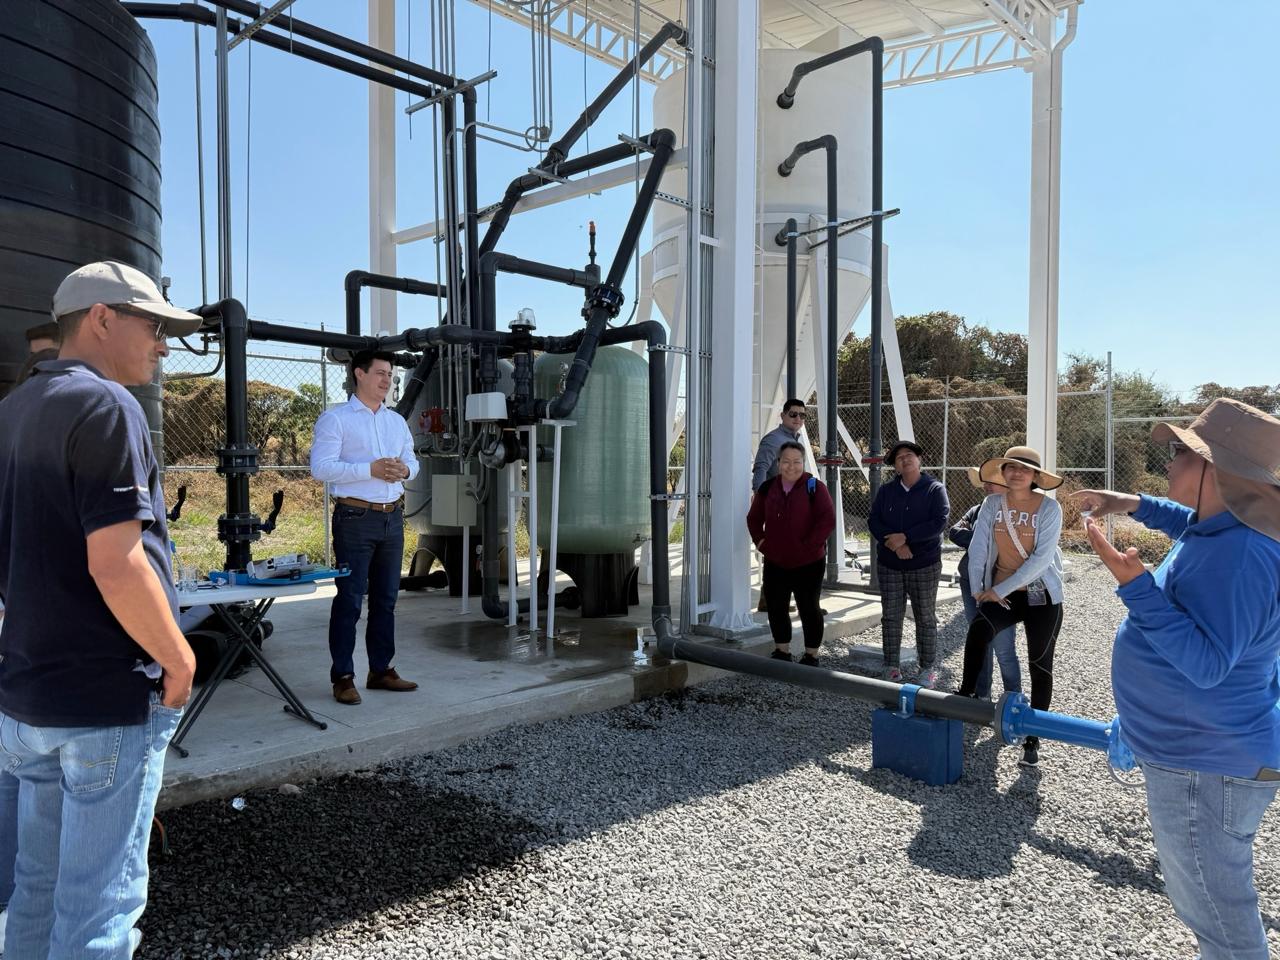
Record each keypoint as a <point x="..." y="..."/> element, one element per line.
<point x="922" y="587"/>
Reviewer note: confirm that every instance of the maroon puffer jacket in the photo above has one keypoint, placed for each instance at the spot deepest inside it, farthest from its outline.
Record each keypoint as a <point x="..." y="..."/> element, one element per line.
<point x="792" y="528"/>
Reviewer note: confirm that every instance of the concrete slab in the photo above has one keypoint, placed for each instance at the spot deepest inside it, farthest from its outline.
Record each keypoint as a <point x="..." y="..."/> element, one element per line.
<point x="476" y="676"/>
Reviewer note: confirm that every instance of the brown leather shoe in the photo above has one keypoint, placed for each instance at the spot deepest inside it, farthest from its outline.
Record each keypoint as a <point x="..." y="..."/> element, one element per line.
<point x="344" y="691"/>
<point x="389" y="680"/>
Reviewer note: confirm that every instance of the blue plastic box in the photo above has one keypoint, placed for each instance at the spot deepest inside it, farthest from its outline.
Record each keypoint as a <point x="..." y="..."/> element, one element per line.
<point x="923" y="748"/>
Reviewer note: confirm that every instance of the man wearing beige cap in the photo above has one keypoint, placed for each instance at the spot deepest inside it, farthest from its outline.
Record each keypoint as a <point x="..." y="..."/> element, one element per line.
<point x="1194" y="667"/>
<point x="94" y="671"/>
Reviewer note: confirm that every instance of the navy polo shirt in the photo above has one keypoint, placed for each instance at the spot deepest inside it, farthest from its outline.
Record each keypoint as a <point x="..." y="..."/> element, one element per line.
<point x="75" y="457"/>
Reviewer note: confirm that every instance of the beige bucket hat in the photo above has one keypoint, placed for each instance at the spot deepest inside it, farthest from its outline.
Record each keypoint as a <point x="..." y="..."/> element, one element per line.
<point x="1027" y="456"/>
<point x="1243" y="444"/>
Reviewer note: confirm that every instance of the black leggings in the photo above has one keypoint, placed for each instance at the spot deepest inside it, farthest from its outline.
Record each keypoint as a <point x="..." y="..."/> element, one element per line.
<point x="806" y="583"/>
<point x="1041" y="624"/>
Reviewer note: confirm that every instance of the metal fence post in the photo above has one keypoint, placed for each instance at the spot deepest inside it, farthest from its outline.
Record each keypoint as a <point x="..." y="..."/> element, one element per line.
<point x="1111" y="478"/>
<point x="946" y="427"/>
<point x="324" y="405"/>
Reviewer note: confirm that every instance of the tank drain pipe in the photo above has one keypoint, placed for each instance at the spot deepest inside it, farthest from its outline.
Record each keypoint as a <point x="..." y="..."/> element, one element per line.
<point x="875" y="47"/>
<point x="831" y="459"/>
<point x="557" y="152"/>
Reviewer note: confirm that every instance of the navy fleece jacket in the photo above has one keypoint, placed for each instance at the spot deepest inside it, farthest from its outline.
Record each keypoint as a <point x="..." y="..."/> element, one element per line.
<point x="921" y="513"/>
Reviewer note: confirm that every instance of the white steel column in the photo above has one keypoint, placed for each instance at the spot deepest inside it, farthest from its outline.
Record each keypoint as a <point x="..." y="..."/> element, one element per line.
<point x="382" y="171"/>
<point x="732" y="340"/>
<point x="1046" y="155"/>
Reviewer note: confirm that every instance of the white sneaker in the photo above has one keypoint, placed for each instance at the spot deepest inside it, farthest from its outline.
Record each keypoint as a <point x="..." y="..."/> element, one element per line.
<point x="928" y="678"/>
<point x="892" y="674"/>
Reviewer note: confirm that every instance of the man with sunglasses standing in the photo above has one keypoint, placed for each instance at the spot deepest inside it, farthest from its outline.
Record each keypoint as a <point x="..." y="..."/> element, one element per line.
<point x="1194" y="668"/>
<point x="94" y="671"/>
<point x="766" y="463"/>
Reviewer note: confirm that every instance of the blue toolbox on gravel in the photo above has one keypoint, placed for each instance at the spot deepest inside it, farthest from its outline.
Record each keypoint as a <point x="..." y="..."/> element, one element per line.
<point x="923" y="748"/>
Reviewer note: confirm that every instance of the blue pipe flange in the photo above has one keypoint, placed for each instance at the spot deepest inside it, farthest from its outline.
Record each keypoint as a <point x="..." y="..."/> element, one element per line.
<point x="907" y="699"/>
<point x="1118" y="753"/>
<point x="1011" y="709"/>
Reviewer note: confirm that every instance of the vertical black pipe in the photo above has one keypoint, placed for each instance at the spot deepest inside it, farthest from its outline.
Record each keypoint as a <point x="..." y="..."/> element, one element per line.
<point x="874" y="46"/>
<point x="832" y="443"/>
<point x="877" y="271"/>
<point x="237" y="459"/>
<point x="791" y="229"/>
<point x="470" y="196"/>
<point x="449" y="158"/>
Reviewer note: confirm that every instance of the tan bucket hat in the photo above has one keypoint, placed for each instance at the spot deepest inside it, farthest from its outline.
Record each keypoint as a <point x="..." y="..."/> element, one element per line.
<point x="1027" y="456"/>
<point x="1243" y="444"/>
<point x="975" y="480"/>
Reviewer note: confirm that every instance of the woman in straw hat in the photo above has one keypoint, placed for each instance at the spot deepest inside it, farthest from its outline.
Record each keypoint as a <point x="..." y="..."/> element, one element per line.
<point x="1004" y="646"/>
<point x="1015" y="573"/>
<point x="1194" y="666"/>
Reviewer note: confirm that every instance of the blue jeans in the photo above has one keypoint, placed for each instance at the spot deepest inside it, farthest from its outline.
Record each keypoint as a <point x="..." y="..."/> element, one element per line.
<point x="372" y="545"/>
<point x="1005" y="646"/>
<point x="85" y="801"/>
<point x="1204" y="825"/>
<point x="8" y="832"/>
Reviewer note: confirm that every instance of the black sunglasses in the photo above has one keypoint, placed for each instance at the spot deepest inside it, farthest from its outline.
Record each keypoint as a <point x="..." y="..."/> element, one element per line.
<point x="158" y="333"/>
<point x="794" y="414"/>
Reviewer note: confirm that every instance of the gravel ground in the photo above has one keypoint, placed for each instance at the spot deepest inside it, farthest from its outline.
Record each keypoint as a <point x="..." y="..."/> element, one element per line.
<point x="738" y="819"/>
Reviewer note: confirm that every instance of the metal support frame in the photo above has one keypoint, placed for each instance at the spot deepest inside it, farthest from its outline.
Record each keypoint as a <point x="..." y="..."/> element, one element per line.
<point x="1042" y="318"/>
<point x="733" y="293"/>
<point x="382" y="172"/>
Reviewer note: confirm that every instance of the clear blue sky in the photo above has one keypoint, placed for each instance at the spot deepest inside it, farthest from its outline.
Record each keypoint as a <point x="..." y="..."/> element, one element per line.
<point x="1170" y="204"/>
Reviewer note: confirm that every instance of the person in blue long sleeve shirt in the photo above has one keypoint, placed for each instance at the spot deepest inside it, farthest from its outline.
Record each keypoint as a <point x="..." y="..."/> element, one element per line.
<point x="1194" y="667"/>
<point x="907" y="521"/>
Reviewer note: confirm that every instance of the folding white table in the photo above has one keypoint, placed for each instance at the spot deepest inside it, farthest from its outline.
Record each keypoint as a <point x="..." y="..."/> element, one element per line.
<point x="221" y="598"/>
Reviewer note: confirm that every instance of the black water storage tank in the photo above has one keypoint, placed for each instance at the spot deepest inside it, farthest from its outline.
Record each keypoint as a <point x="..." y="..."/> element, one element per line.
<point x="79" y="159"/>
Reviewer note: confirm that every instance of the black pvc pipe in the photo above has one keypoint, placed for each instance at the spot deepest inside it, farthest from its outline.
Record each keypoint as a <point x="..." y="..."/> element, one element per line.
<point x="791" y="229"/>
<point x="357" y="280"/>
<point x="193" y="13"/>
<point x="560" y="149"/>
<point x="932" y="703"/>
<point x="531" y="181"/>
<point x="830" y="441"/>
<point x="238" y="527"/>
<point x="471" y="204"/>
<point x="605" y="300"/>
<point x="875" y="47"/>
<point x="336" y="40"/>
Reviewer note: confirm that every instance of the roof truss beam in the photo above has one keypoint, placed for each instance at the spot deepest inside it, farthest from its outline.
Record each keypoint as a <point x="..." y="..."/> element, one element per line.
<point x="1017" y="17"/>
<point x="962" y="54"/>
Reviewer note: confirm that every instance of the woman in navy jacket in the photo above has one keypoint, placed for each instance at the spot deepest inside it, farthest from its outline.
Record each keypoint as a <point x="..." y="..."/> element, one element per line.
<point x="790" y="519"/>
<point x="907" y="521"/>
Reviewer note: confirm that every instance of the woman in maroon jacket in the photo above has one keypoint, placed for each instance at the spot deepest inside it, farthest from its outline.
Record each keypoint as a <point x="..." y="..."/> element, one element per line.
<point x="790" y="519"/>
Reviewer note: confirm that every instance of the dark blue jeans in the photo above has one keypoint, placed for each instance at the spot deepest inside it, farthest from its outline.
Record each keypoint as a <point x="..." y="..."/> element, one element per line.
<point x="372" y="545"/>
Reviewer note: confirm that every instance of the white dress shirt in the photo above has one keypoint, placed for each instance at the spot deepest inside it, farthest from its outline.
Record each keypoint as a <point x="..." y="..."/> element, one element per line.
<point x="349" y="438"/>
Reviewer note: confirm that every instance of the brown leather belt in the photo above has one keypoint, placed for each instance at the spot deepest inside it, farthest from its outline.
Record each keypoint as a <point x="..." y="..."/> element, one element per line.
<point x="366" y="505"/>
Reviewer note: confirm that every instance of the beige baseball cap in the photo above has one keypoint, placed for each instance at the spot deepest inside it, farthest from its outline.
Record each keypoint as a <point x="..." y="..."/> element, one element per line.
<point x="112" y="283"/>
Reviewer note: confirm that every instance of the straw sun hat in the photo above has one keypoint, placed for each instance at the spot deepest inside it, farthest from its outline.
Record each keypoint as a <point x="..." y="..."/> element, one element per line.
<point x="1243" y="444"/>
<point x="1025" y="456"/>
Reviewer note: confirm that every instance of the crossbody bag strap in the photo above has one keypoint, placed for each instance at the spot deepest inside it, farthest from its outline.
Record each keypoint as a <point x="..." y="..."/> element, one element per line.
<point x="1008" y="525"/>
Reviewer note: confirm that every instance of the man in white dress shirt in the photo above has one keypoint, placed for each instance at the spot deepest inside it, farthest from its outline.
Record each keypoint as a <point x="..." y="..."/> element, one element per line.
<point x="364" y="449"/>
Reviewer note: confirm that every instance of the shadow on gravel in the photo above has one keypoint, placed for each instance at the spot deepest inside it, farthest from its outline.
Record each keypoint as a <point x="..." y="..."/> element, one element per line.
<point x="345" y="851"/>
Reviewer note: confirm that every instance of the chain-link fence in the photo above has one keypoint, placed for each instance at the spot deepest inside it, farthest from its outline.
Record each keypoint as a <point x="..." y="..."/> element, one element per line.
<point x="287" y="391"/>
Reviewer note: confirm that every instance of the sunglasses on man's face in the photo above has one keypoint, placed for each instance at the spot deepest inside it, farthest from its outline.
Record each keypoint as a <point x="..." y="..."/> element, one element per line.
<point x="1175" y="448"/>
<point x="794" y="414"/>
<point x="159" y="327"/>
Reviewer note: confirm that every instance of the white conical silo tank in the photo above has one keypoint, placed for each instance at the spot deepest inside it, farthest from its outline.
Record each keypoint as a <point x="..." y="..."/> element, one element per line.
<point x="835" y="100"/>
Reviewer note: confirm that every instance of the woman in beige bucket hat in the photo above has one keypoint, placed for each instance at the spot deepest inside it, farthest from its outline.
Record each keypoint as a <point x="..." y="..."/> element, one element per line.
<point x="1194" y="667"/>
